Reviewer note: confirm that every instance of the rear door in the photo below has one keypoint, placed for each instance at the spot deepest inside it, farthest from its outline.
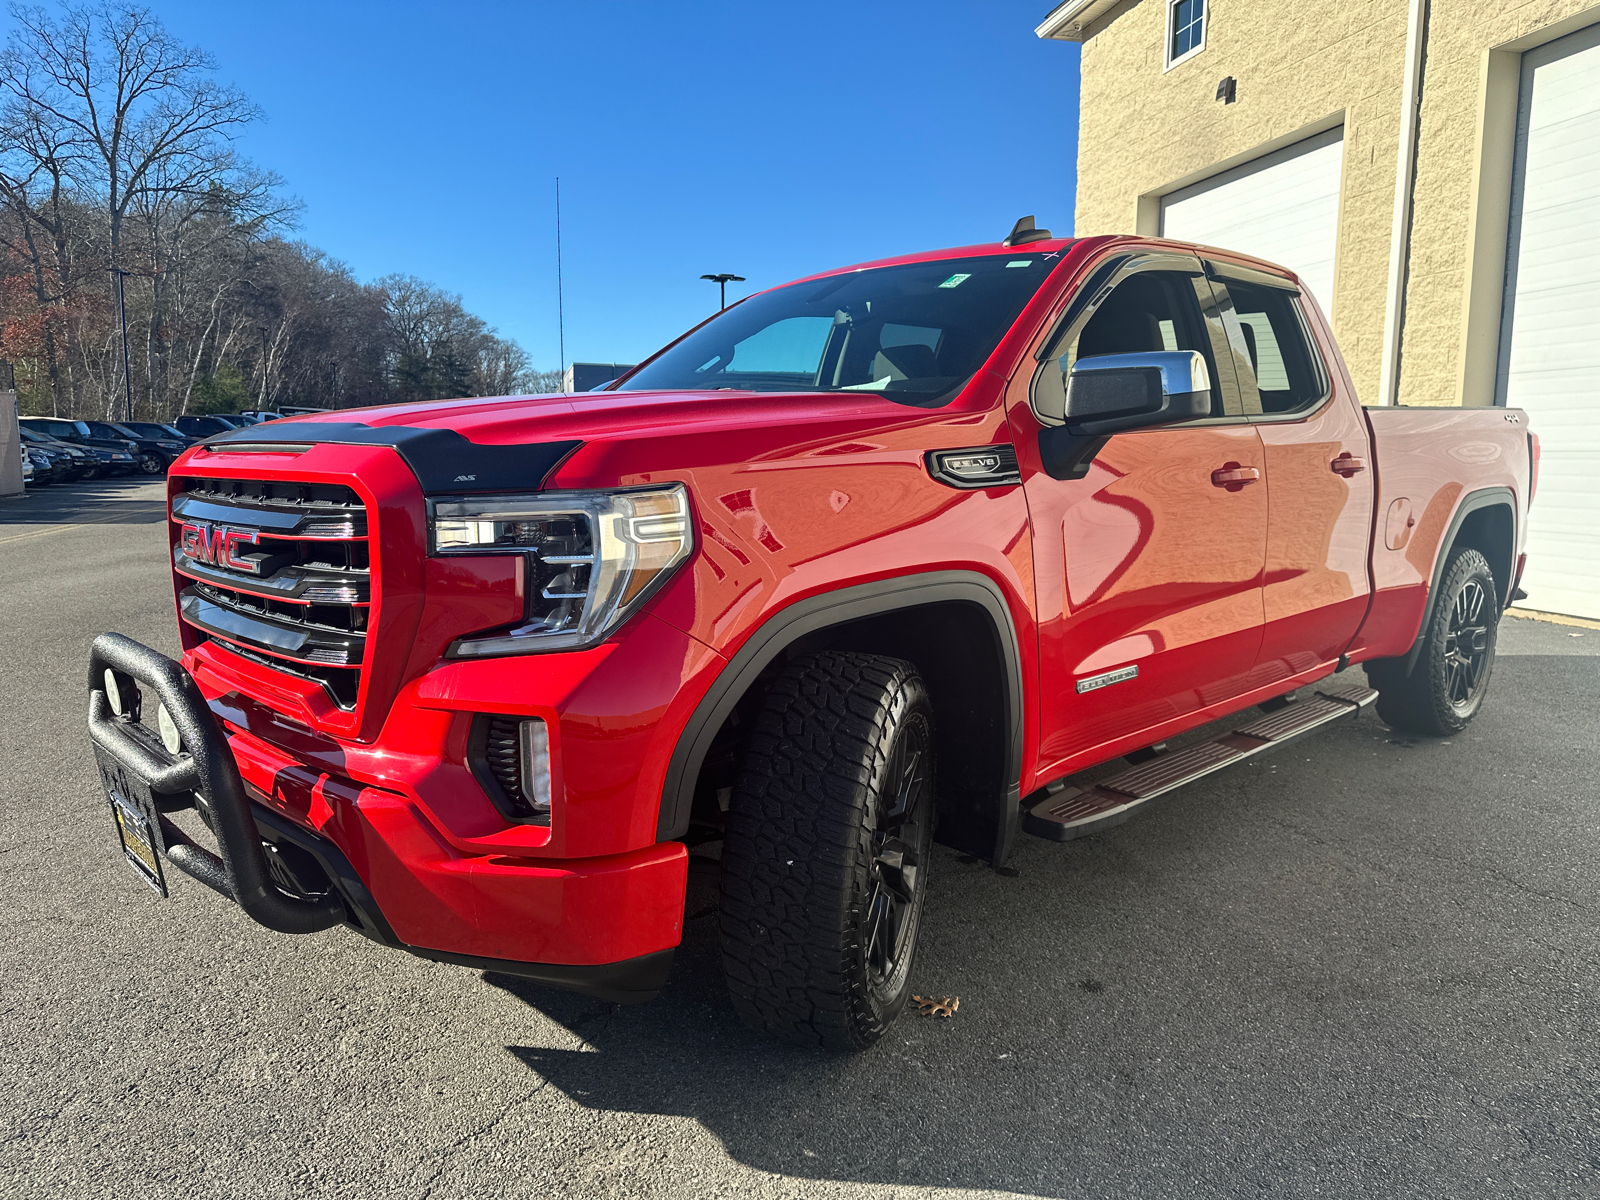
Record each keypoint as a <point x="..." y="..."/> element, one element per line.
<point x="1149" y="567"/>
<point x="1320" y="477"/>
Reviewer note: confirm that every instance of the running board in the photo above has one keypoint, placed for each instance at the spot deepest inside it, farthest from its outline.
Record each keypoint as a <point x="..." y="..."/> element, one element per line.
<point x="1068" y="813"/>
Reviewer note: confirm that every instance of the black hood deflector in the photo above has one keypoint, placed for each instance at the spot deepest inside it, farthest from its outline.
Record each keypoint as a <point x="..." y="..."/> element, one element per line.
<point x="442" y="460"/>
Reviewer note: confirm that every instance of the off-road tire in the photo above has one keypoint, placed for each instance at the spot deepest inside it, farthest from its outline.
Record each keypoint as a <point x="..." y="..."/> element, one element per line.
<point x="1446" y="687"/>
<point x="806" y="897"/>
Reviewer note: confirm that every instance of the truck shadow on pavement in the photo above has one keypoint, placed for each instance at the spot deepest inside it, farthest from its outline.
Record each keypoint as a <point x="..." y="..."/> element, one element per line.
<point x="1273" y="976"/>
<point x="130" y="500"/>
<point x="932" y="1105"/>
<point x="888" y="1116"/>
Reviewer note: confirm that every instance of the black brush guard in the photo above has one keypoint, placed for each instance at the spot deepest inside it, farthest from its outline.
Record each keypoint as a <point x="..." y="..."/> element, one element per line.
<point x="241" y="872"/>
<point x="247" y="832"/>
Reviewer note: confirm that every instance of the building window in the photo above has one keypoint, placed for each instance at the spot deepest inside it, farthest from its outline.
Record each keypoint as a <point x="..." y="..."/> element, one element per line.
<point x="1186" y="29"/>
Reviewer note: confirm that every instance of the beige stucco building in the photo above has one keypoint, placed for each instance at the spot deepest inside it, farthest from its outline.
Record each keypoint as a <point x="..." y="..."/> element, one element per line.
<point x="1431" y="168"/>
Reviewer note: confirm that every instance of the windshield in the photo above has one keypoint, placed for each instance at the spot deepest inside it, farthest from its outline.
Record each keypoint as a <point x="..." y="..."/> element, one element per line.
<point x="915" y="333"/>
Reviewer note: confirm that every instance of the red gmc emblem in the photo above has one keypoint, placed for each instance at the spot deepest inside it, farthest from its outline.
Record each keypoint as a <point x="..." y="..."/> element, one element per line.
<point x="217" y="545"/>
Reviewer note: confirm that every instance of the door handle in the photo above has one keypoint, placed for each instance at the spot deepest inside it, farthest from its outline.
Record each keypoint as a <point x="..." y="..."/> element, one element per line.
<point x="1347" y="464"/>
<point x="1233" y="476"/>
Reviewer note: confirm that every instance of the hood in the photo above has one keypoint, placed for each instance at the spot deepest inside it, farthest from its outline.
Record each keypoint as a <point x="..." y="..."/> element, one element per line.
<point x="589" y="416"/>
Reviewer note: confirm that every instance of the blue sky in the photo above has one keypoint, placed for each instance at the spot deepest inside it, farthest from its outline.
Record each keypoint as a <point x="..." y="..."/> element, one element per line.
<point x="767" y="139"/>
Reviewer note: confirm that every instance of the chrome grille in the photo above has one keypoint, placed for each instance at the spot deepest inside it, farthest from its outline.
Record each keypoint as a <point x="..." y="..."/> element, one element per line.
<point x="279" y="572"/>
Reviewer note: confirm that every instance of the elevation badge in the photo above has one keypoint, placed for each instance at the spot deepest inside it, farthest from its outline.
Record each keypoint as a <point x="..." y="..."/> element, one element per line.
<point x="1106" y="679"/>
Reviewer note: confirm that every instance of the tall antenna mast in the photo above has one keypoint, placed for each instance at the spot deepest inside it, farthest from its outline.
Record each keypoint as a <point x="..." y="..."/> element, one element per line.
<point x="561" y="312"/>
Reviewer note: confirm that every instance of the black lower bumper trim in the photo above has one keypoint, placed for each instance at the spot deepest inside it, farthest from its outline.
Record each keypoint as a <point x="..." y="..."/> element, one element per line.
<point x="631" y="981"/>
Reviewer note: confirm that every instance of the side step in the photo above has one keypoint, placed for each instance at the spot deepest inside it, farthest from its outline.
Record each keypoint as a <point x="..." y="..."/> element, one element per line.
<point x="1068" y="812"/>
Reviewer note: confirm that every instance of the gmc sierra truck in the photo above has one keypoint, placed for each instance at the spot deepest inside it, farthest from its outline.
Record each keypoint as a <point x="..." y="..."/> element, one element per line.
<point x="891" y="554"/>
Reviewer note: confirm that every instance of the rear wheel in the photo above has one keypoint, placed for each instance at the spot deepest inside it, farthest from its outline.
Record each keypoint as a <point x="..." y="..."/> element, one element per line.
<point x="826" y="850"/>
<point x="1447" y="685"/>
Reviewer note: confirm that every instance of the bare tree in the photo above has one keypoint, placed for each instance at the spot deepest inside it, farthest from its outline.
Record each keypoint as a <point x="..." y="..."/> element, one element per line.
<point x="140" y="111"/>
<point x="116" y="155"/>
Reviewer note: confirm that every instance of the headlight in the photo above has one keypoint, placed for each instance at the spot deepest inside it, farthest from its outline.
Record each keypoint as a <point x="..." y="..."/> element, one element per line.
<point x="593" y="558"/>
<point x="170" y="445"/>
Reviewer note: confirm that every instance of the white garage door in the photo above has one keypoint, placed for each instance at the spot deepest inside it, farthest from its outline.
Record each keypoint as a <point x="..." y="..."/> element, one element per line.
<point x="1283" y="207"/>
<point x="1550" y="331"/>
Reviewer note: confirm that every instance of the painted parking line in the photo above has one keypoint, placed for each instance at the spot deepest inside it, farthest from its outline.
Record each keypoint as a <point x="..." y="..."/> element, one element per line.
<point x="22" y="537"/>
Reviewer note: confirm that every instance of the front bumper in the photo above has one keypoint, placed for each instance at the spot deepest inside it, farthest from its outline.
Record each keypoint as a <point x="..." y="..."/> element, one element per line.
<point x="302" y="850"/>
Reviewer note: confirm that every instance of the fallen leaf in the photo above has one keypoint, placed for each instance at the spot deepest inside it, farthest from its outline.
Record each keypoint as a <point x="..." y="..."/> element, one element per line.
<point x="942" y="1006"/>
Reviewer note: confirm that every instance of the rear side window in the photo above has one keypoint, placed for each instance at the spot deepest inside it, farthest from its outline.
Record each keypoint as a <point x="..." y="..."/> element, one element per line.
<point x="1269" y="324"/>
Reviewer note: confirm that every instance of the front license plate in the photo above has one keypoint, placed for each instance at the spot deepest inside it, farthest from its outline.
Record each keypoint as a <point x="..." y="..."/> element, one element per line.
<point x="134" y="811"/>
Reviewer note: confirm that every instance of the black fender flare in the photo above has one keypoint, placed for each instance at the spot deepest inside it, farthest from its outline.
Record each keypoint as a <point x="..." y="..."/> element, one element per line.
<point x="1491" y="497"/>
<point x="837" y="608"/>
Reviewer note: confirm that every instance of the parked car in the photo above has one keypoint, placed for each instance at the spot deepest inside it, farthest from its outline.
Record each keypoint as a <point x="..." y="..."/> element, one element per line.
<point x="156" y="452"/>
<point x="159" y="432"/>
<point x="893" y="552"/>
<point x="40" y="468"/>
<point x="72" y="462"/>
<point x="200" y="427"/>
<point x="120" y="453"/>
<point x="257" y="415"/>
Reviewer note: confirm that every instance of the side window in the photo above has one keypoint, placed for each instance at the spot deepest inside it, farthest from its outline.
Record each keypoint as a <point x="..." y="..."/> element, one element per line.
<point x="1267" y="321"/>
<point x="1149" y="310"/>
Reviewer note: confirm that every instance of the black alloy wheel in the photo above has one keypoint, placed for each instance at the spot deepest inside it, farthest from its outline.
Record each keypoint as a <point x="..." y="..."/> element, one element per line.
<point x="826" y="850"/>
<point x="902" y="833"/>
<point x="1447" y="683"/>
<point x="152" y="464"/>
<point x="1466" y="647"/>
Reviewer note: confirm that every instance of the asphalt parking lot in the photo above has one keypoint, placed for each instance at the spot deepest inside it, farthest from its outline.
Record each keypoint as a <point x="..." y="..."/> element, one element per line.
<point x="1368" y="966"/>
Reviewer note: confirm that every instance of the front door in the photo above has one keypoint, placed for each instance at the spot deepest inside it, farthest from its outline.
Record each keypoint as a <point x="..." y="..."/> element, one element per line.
<point x="1149" y="567"/>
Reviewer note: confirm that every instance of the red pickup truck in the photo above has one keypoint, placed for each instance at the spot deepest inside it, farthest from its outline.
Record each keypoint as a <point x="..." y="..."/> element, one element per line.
<point x="887" y="555"/>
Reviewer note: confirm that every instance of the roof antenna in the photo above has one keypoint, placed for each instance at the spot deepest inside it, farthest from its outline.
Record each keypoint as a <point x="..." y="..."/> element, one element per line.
<point x="561" y="309"/>
<point x="1023" y="232"/>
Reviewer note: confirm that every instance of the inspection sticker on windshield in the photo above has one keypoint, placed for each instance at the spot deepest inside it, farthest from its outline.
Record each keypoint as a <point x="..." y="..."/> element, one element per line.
<point x="1020" y="262"/>
<point x="956" y="280"/>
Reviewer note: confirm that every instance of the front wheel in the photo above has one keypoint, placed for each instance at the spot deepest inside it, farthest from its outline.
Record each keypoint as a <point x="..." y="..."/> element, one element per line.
<point x="826" y="851"/>
<point x="152" y="464"/>
<point x="1445" y="688"/>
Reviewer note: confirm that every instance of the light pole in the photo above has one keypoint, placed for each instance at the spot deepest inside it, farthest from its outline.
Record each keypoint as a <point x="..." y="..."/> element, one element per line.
<point x="722" y="282"/>
<point x="122" y="312"/>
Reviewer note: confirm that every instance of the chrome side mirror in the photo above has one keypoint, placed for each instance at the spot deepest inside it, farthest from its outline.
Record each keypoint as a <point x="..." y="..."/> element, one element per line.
<point x="1125" y="391"/>
<point x="1109" y="393"/>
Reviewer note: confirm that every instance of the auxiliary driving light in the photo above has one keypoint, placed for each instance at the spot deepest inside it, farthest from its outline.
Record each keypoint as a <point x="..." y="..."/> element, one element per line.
<point x="170" y="737"/>
<point x="122" y="695"/>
